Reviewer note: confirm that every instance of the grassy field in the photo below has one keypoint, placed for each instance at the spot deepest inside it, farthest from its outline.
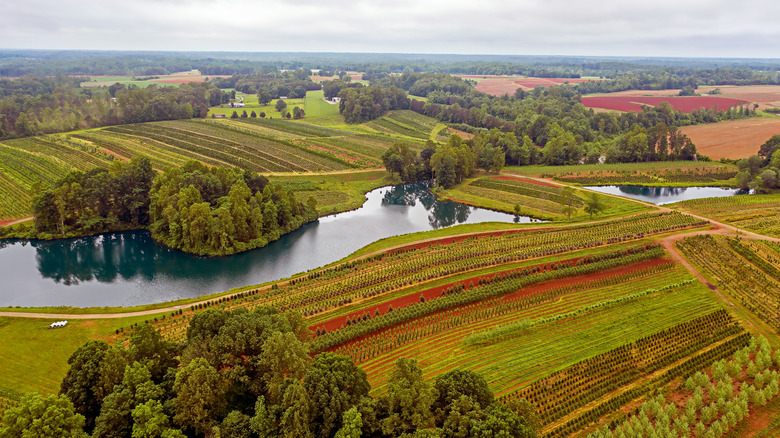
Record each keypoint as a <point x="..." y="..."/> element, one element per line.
<point x="314" y="106"/>
<point x="536" y="199"/>
<point x="35" y="357"/>
<point x="251" y="104"/>
<point x="664" y="174"/>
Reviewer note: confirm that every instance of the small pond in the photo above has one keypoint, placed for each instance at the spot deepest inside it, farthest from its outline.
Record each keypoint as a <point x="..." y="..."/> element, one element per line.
<point x="667" y="195"/>
<point x="129" y="268"/>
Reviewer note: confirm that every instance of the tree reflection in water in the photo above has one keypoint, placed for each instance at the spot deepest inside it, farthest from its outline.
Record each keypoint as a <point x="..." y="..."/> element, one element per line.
<point x="440" y="213"/>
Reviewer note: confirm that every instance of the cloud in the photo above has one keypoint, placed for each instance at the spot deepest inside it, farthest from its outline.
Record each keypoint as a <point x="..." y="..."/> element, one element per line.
<point x="714" y="28"/>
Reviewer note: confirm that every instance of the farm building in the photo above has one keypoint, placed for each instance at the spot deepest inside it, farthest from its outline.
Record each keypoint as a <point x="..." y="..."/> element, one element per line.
<point x="335" y="99"/>
<point x="236" y="104"/>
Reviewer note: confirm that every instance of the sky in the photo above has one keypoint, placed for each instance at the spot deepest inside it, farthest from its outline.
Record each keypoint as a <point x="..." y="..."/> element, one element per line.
<point x="677" y="28"/>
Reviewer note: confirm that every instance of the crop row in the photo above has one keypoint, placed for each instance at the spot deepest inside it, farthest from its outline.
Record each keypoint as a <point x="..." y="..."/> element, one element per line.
<point x="563" y="333"/>
<point x="499" y="285"/>
<point x="330" y="288"/>
<point x="757" y="290"/>
<point x="526" y="189"/>
<point x="496" y="311"/>
<point x="749" y="378"/>
<point x="685" y="368"/>
<point x="299" y="128"/>
<point x="567" y="390"/>
<point x="379" y="276"/>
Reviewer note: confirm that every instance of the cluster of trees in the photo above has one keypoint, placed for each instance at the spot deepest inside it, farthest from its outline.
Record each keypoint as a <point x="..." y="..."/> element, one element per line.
<point x="249" y="374"/>
<point x="95" y="201"/>
<point x="331" y="89"/>
<point x="271" y="85"/>
<point x="31" y="106"/>
<point x="451" y="162"/>
<point x="423" y="84"/>
<point x="761" y="172"/>
<point x="359" y="105"/>
<point x="659" y="143"/>
<point x="219" y="211"/>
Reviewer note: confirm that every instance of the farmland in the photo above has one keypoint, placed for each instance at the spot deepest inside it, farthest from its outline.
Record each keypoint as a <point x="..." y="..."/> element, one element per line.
<point x="685" y="104"/>
<point x="535" y="198"/>
<point x="757" y="213"/>
<point x="500" y="85"/>
<point x="732" y="139"/>
<point x="262" y="145"/>
<point x="173" y="79"/>
<point x="677" y="173"/>
<point x="617" y="307"/>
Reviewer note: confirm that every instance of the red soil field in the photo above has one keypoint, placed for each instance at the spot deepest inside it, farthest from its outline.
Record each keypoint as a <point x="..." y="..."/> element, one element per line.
<point x="732" y="139"/>
<point x="461" y="134"/>
<point x="685" y="104"/>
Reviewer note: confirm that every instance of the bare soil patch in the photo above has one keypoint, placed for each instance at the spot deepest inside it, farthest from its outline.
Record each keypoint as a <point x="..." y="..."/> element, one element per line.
<point x="732" y="139"/>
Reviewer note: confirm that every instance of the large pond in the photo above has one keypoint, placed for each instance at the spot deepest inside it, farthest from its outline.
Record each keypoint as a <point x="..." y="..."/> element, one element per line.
<point x="667" y="195"/>
<point x="126" y="269"/>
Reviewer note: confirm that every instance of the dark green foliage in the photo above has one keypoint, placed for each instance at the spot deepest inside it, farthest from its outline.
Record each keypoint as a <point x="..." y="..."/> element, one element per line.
<point x="220" y="211"/>
<point x="408" y="400"/>
<point x="452" y="385"/>
<point x="335" y="385"/>
<point x="96" y="201"/>
<point x="51" y="417"/>
<point x="359" y="105"/>
<point x="247" y="374"/>
<point x="91" y="377"/>
<point x="33" y="105"/>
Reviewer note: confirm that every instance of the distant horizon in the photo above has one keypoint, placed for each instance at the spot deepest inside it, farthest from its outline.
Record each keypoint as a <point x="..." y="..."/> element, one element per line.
<point x="420" y="54"/>
<point x="664" y="28"/>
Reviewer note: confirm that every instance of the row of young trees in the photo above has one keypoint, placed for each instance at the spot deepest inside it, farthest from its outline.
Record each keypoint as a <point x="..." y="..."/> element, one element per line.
<point x="249" y="374"/>
<point x="220" y="211"/>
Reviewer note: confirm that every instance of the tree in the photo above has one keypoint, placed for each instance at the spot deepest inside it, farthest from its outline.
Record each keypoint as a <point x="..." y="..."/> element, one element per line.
<point x="50" y="417"/>
<point x="352" y="425"/>
<point x="200" y="396"/>
<point x="253" y="114"/>
<point x="234" y="115"/>
<point x="452" y="385"/>
<point x="281" y="105"/>
<point x="263" y="97"/>
<point x="568" y="201"/>
<point x="769" y="148"/>
<point x="296" y="419"/>
<point x="335" y="385"/>
<point x="82" y="384"/>
<point x="409" y="399"/>
<point x="116" y="419"/>
<point x="150" y="421"/>
<point x="243" y="114"/>
<point x="594" y="205"/>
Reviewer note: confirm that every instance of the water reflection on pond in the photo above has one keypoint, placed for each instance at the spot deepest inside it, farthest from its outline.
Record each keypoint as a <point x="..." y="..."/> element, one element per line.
<point x="129" y="268"/>
<point x="667" y="195"/>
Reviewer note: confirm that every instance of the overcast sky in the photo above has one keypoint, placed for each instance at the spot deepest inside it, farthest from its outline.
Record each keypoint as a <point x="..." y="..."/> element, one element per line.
<point x="689" y="28"/>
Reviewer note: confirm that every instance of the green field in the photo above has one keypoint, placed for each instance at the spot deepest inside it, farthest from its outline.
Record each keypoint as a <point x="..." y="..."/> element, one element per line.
<point x="314" y="106"/>
<point x="535" y="199"/>
<point x="663" y="174"/>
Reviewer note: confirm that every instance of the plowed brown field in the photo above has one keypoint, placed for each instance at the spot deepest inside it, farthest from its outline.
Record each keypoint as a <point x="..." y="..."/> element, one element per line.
<point x="732" y="139"/>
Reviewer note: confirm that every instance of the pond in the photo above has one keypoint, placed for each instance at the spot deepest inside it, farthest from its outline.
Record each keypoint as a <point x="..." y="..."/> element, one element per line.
<point x="667" y="195"/>
<point x="129" y="268"/>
